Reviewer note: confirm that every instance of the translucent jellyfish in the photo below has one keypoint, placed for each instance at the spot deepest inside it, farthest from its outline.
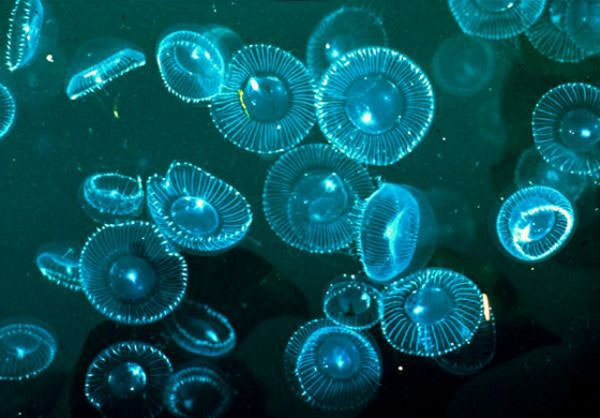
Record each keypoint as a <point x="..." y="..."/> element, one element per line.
<point x="129" y="274"/>
<point x="341" y="31"/>
<point x="266" y="104"/>
<point x="583" y="24"/>
<point x="375" y="105"/>
<point x="127" y="379"/>
<point x="26" y="350"/>
<point x="199" y="329"/>
<point x="8" y="109"/>
<point x="112" y="197"/>
<point x="59" y="263"/>
<point x="99" y="62"/>
<point x="310" y="197"/>
<point x="496" y="19"/>
<point x="566" y="128"/>
<point x="431" y="312"/>
<point x="24" y="30"/>
<point x="196" y="211"/>
<point x="535" y="222"/>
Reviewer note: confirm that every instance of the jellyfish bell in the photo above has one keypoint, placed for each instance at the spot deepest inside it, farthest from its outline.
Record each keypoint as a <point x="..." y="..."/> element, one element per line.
<point x="8" y="109"/>
<point x="59" y="263"/>
<point x="24" y="33"/>
<point x="583" y="24"/>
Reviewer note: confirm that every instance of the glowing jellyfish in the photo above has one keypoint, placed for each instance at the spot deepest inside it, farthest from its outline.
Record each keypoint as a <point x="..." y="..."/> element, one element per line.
<point x="196" y="211"/>
<point x="310" y="197"/>
<point x="112" y="197"/>
<point x="375" y="105"/>
<point x="8" y="109"/>
<point x="267" y="101"/>
<point x="59" y="263"/>
<point x="583" y="24"/>
<point x="99" y="62"/>
<point x="129" y="274"/>
<point x="352" y="303"/>
<point x="341" y="31"/>
<point x="24" y="30"/>
<point x="535" y="222"/>
<point x="127" y="379"/>
<point x="431" y="312"/>
<point x="566" y="128"/>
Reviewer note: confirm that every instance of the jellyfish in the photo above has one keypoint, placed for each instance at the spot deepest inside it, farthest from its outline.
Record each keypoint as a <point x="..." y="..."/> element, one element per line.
<point x="534" y="223"/>
<point x="566" y="128"/>
<point x="583" y="24"/>
<point x="496" y="19"/>
<point x="59" y="263"/>
<point x="127" y="379"/>
<point x="197" y="212"/>
<point x="310" y="197"/>
<point x="129" y="274"/>
<point x="8" y="109"/>
<point x="99" y="62"/>
<point x="341" y="31"/>
<point x="431" y="312"/>
<point x="24" y="30"/>
<point x="266" y="104"/>
<point x="26" y="350"/>
<point x="375" y="105"/>
<point x="112" y="197"/>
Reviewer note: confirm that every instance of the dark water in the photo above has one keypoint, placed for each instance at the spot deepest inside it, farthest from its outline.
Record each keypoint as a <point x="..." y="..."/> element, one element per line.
<point x="548" y="316"/>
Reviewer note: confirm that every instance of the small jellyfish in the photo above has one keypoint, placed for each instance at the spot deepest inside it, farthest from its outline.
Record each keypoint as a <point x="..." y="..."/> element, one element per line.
<point x="127" y="379"/>
<point x="24" y="31"/>
<point x="583" y="24"/>
<point x="375" y="105"/>
<point x="129" y="274"/>
<point x="534" y="223"/>
<point x="310" y="197"/>
<point x="8" y="109"/>
<point x="112" y="197"/>
<point x="431" y="312"/>
<point x="496" y="19"/>
<point x="59" y="263"/>
<point x="266" y="104"/>
<point x="26" y="350"/>
<point x="566" y="128"/>
<point x="197" y="212"/>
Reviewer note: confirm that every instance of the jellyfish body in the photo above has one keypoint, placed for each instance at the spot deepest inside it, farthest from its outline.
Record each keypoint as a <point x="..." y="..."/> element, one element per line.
<point x="129" y="274"/>
<point x="24" y="31"/>
<point x="197" y="212"/>
<point x="352" y="303"/>
<point x="112" y="197"/>
<point x="583" y="24"/>
<point x="59" y="263"/>
<point x="8" y="109"/>
<point x="310" y="197"/>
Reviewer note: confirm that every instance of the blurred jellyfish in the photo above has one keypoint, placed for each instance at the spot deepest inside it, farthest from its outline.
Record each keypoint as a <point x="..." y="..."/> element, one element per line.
<point x="129" y="274"/>
<point x="59" y="263"/>
<point x="535" y="222"/>
<point x="112" y="197"/>
<point x="583" y="24"/>
<point x="127" y="379"/>
<point x="310" y="197"/>
<point x="431" y="312"/>
<point x="456" y="226"/>
<point x="24" y="31"/>
<point x="197" y="212"/>
<point x="375" y="105"/>
<point x="7" y="110"/>
<point x="352" y="303"/>
<point x="267" y="101"/>
<point x="566" y="128"/>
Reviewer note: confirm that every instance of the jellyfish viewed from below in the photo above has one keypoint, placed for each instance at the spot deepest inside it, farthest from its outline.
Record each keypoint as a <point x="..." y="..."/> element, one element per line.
<point x="352" y="303"/>
<point x="8" y="109"/>
<point x="112" y="197"/>
<point x="59" y="263"/>
<point x="583" y="24"/>
<point x="24" y="31"/>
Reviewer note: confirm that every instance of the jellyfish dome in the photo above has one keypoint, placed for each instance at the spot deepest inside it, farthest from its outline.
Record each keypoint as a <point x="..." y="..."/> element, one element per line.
<point x="375" y="105"/>
<point x="352" y="303"/>
<point x="310" y="197"/>
<point x="112" y="197"/>
<point x="566" y="128"/>
<point x="583" y="24"/>
<point x="8" y="109"/>
<point x="534" y="223"/>
<point x="431" y="312"/>
<point x="24" y="31"/>
<point x="127" y="379"/>
<point x="129" y="274"/>
<point x="196" y="211"/>
<point x="59" y="263"/>
<point x="266" y="104"/>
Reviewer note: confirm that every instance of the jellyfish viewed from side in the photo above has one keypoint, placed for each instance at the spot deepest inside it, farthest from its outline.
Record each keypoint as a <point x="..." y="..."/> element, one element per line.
<point x="8" y="109"/>
<point x="583" y="24"/>
<point x="24" y="31"/>
<point x="59" y="263"/>
<point x="112" y="197"/>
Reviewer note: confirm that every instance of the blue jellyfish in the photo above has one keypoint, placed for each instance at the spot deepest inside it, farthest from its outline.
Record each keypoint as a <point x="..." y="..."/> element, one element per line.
<point x="199" y="329"/>
<point x="59" y="263"/>
<point x="375" y="105"/>
<point x="127" y="379"/>
<point x="496" y="19"/>
<point x="431" y="312"/>
<point x="342" y="31"/>
<point x="534" y="223"/>
<point x="24" y="30"/>
<point x="310" y="197"/>
<point x="8" y="109"/>
<point x="583" y="24"/>
<point x="99" y="62"/>
<point x="129" y="274"/>
<point x="352" y="303"/>
<point x="112" y="197"/>
<point x="26" y="350"/>
<point x="266" y="104"/>
<point x="196" y="211"/>
<point x="566" y="128"/>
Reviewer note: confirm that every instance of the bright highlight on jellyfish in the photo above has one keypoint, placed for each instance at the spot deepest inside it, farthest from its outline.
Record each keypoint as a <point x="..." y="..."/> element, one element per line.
<point x="8" y="109"/>
<point x="431" y="312"/>
<point x="196" y="211"/>
<point x="583" y="24"/>
<point x="342" y="31"/>
<point x="129" y="274"/>
<point x="267" y="101"/>
<point x="127" y="379"/>
<point x="59" y="263"/>
<point x="535" y="222"/>
<point x="566" y="128"/>
<point x="112" y="197"/>
<point x="496" y="19"/>
<point x="375" y="105"/>
<point x="310" y="197"/>
<point x="24" y="31"/>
